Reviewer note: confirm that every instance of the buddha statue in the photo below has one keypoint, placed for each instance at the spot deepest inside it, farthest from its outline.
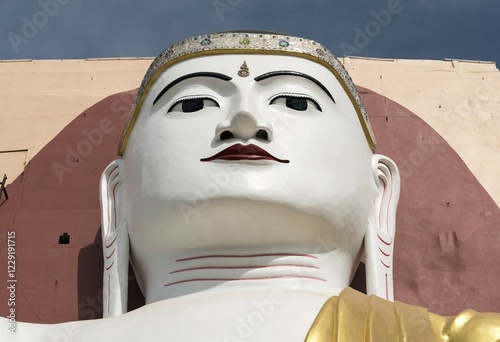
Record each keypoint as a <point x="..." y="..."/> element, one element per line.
<point x="246" y="193"/>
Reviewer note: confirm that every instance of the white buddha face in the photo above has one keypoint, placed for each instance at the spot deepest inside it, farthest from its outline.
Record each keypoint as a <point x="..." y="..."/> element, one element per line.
<point x="219" y="160"/>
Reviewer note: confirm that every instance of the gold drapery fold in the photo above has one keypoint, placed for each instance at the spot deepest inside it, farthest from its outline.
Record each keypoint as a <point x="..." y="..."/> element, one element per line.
<point x="353" y="316"/>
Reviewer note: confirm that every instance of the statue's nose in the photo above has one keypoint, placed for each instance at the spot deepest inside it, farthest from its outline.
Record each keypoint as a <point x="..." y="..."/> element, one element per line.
<point x="245" y="126"/>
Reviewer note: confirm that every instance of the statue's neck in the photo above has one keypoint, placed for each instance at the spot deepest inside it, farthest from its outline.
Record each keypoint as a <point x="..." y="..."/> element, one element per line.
<point x="224" y="271"/>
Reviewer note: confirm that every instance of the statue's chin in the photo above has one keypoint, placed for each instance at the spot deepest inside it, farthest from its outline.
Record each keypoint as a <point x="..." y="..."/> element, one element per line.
<point x="239" y="223"/>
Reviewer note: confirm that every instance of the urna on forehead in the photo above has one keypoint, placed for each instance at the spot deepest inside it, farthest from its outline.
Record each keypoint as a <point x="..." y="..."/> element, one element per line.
<point x="231" y="43"/>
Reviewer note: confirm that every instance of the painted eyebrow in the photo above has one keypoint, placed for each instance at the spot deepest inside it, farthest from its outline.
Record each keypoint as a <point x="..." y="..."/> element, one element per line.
<point x="194" y="74"/>
<point x="293" y="73"/>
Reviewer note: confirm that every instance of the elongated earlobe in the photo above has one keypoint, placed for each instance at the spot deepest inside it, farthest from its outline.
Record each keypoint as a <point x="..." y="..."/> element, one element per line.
<point x="379" y="238"/>
<point x="115" y="242"/>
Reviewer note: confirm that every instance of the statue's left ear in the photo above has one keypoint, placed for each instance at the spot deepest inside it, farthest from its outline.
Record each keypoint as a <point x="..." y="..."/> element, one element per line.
<point x="379" y="238"/>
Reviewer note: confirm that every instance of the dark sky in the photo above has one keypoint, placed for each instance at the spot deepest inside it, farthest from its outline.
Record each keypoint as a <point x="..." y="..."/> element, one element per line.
<point x="415" y="29"/>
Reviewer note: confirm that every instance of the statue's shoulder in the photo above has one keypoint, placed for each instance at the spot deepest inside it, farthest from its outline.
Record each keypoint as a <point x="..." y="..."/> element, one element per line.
<point x="353" y="316"/>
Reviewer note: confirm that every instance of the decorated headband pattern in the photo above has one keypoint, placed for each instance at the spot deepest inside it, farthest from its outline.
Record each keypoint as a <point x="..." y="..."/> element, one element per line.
<point x="247" y="43"/>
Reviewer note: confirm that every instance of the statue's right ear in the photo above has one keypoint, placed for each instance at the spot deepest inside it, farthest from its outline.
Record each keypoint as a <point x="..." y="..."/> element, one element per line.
<point x="115" y="241"/>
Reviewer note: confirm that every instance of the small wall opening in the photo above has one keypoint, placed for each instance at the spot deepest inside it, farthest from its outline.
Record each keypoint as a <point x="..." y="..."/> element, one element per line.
<point x="64" y="239"/>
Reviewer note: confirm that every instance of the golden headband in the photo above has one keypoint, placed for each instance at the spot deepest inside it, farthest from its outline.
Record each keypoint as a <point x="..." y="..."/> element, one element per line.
<point x="247" y="43"/>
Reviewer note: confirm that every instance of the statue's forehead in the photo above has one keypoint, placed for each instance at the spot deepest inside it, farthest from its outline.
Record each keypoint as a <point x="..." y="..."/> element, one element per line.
<point x="243" y="68"/>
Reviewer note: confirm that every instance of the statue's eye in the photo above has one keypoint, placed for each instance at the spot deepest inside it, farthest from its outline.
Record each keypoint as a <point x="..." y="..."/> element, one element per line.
<point x="299" y="103"/>
<point x="192" y="104"/>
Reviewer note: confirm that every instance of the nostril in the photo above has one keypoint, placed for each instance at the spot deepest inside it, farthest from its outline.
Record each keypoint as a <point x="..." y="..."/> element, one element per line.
<point x="226" y="135"/>
<point x="262" y="134"/>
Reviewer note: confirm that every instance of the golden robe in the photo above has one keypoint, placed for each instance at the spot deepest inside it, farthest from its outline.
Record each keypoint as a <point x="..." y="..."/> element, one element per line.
<point x="354" y="316"/>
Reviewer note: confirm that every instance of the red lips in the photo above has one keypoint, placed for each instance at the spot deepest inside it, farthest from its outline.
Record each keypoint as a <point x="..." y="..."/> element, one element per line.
<point x="244" y="152"/>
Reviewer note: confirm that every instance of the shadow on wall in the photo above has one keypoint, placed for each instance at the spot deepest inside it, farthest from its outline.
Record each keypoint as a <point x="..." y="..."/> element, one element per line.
<point x="90" y="285"/>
